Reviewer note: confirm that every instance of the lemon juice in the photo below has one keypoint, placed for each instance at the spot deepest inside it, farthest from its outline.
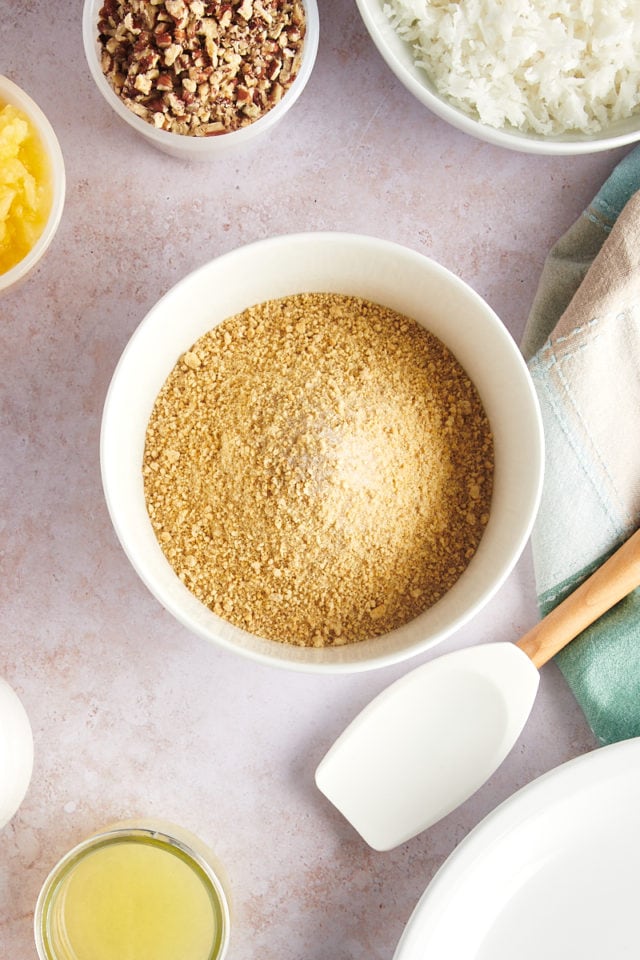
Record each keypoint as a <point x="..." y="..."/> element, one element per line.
<point x="132" y="895"/>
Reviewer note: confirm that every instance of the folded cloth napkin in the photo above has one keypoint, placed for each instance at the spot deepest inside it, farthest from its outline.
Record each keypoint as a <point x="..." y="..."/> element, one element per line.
<point x="582" y="345"/>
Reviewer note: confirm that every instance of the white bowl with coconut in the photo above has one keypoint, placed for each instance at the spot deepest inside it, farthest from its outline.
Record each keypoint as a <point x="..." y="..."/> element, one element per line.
<point x="537" y="76"/>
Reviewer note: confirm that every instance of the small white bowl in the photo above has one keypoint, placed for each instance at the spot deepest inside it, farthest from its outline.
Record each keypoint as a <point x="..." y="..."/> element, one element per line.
<point x="186" y="147"/>
<point x="16" y="752"/>
<point x="376" y="270"/>
<point x="399" y="58"/>
<point x="14" y="95"/>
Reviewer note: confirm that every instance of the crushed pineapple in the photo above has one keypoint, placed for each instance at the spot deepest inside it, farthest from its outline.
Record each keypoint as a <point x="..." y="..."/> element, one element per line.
<point x="25" y="186"/>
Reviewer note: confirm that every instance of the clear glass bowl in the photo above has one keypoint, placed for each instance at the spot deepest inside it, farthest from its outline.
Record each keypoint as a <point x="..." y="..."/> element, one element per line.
<point x="148" y="887"/>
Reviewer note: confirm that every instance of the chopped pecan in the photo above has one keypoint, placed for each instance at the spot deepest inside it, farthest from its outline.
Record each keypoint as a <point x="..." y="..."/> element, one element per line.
<point x="201" y="67"/>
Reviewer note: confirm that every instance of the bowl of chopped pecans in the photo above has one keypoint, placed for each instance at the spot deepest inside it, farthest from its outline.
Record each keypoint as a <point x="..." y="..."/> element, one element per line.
<point x="198" y="79"/>
<point x="331" y="464"/>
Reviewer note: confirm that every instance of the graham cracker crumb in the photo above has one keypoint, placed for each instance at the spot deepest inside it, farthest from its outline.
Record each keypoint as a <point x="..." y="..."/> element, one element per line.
<point x="318" y="469"/>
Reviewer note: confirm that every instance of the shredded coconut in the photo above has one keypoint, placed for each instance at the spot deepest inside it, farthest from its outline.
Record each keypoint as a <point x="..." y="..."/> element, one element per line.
<point x="542" y="66"/>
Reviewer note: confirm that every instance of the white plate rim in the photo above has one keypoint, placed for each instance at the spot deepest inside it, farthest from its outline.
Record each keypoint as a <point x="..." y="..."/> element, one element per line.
<point x="540" y="798"/>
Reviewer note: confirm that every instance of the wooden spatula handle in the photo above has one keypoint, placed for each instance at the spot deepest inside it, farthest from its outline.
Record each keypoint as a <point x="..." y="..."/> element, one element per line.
<point x="617" y="577"/>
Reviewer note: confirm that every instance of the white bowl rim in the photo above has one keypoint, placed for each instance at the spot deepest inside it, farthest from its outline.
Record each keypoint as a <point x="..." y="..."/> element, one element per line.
<point x="200" y="146"/>
<point x="10" y="92"/>
<point x="305" y="659"/>
<point x="571" y="145"/>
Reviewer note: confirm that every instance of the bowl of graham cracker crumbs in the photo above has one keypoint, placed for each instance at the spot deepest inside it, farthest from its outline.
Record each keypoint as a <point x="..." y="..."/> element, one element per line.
<point x="200" y="78"/>
<point x="322" y="451"/>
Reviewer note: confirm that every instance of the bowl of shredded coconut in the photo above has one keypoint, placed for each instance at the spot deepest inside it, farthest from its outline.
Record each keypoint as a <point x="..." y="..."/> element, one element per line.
<point x="538" y="76"/>
<point x="307" y="455"/>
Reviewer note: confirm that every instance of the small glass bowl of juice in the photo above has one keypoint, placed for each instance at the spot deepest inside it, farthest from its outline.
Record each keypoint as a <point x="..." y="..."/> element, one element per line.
<point x="32" y="183"/>
<point x="140" y="891"/>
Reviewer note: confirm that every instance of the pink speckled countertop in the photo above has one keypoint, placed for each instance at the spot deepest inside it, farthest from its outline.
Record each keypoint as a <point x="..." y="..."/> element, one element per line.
<point x="131" y="715"/>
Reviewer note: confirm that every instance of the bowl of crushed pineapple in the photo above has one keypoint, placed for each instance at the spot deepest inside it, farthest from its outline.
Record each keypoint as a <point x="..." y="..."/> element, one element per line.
<point x="32" y="183"/>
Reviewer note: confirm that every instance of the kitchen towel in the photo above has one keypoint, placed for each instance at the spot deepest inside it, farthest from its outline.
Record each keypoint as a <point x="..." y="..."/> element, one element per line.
<point x="582" y="345"/>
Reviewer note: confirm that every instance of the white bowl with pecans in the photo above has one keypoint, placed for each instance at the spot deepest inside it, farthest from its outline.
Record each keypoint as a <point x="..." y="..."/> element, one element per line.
<point x="198" y="79"/>
<point x="296" y="482"/>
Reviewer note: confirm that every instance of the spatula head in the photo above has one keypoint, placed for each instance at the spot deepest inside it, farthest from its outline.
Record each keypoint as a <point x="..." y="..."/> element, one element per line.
<point x="429" y="741"/>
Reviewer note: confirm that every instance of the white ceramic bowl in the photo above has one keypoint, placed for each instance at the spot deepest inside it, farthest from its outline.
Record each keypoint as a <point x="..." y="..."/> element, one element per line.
<point x="398" y="56"/>
<point x="377" y="270"/>
<point x="13" y="94"/>
<point x="200" y="148"/>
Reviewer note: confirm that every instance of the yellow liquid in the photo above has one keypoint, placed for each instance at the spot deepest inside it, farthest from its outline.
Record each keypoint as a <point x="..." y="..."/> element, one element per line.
<point x="25" y="186"/>
<point x="133" y="899"/>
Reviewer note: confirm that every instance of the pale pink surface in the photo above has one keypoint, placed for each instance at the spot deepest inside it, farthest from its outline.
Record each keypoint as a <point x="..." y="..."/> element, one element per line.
<point x="131" y="715"/>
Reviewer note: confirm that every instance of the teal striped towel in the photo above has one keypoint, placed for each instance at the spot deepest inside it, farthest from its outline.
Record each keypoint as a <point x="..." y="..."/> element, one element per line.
<point x="582" y="345"/>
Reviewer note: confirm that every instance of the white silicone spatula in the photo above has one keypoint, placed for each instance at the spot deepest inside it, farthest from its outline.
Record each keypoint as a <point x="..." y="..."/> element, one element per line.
<point x="431" y="739"/>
